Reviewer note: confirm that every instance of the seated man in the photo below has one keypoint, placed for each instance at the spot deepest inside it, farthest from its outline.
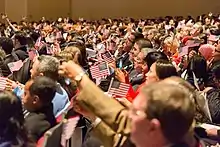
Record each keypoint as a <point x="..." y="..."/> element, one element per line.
<point x="37" y="100"/>
<point x="161" y="115"/>
<point x="48" y="66"/>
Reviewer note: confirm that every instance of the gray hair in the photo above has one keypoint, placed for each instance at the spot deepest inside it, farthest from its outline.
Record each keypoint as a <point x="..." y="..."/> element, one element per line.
<point x="146" y="51"/>
<point x="49" y="66"/>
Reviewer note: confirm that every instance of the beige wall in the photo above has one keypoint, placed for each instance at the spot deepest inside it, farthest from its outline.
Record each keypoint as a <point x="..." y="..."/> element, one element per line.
<point x="16" y="9"/>
<point x="96" y="9"/>
<point x="141" y="8"/>
<point x="51" y="9"/>
<point x="2" y="7"/>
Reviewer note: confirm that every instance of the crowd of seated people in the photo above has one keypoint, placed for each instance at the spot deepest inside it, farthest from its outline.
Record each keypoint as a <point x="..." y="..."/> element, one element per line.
<point x="132" y="82"/>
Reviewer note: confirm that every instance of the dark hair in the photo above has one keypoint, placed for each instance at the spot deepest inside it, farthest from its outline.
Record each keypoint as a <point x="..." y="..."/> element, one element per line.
<point x="44" y="88"/>
<point x="21" y="38"/>
<point x="198" y="65"/>
<point x="216" y="71"/>
<point x="144" y="43"/>
<point x="154" y="56"/>
<point x="6" y="44"/>
<point x="165" y="69"/>
<point x="12" y="120"/>
<point x="137" y="35"/>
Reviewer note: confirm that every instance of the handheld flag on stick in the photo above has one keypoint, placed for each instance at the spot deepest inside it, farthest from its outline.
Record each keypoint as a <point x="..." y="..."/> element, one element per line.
<point x="108" y="57"/>
<point x="15" y="66"/>
<point x="100" y="70"/>
<point x="118" y="89"/>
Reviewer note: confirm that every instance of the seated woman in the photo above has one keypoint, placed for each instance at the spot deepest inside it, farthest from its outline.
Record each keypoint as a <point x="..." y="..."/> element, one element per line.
<point x="159" y="70"/>
<point x="12" y="129"/>
<point x="196" y="72"/>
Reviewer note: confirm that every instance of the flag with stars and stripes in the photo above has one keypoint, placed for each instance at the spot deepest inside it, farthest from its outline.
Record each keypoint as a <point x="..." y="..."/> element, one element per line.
<point x="108" y="57"/>
<point x="99" y="70"/>
<point x="118" y="89"/>
<point x="68" y="129"/>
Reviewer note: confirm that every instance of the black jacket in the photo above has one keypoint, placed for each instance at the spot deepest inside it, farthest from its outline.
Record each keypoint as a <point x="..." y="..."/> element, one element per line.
<point x="39" y="122"/>
<point x="17" y="54"/>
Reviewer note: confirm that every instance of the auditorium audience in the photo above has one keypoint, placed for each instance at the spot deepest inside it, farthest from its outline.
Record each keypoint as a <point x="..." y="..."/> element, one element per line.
<point x="58" y="66"/>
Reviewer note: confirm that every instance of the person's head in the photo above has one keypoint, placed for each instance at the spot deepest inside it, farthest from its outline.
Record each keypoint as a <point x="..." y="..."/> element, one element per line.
<point x="207" y="20"/>
<point x="161" y="114"/>
<point x="38" y="93"/>
<point x="19" y="40"/>
<point x="207" y="51"/>
<point x="138" y="45"/>
<point x="76" y="54"/>
<point x="45" y="65"/>
<point x="6" y="44"/>
<point x="131" y="40"/>
<point x="160" y="70"/>
<point x="198" y="65"/>
<point x="151" y="33"/>
<point x="200" y="115"/>
<point x="140" y="64"/>
<point x="81" y="53"/>
<point x="154" y="56"/>
<point x="170" y="45"/>
<point x="12" y="119"/>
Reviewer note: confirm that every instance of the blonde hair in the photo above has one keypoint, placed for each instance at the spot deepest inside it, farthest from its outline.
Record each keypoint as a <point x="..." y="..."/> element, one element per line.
<point x="70" y="53"/>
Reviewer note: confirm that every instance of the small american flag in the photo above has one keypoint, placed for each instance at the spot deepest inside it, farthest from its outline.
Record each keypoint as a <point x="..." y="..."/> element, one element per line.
<point x="39" y="43"/>
<point x="99" y="70"/>
<point x="68" y="129"/>
<point x="56" y="48"/>
<point x="213" y="38"/>
<point x="15" y="66"/>
<point x="108" y="57"/>
<point x="118" y="89"/>
<point x="183" y="51"/>
<point x="3" y="82"/>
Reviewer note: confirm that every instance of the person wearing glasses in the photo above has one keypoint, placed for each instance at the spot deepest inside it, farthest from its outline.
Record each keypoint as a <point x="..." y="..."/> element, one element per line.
<point x="161" y="115"/>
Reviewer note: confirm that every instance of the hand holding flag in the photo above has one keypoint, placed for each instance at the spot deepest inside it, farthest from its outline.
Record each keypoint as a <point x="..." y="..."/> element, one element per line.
<point x="108" y="57"/>
<point x="68" y="129"/>
<point x="100" y="70"/>
<point x="118" y="89"/>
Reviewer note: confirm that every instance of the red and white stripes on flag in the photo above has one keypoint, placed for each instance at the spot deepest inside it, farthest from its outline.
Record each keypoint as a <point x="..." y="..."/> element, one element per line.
<point x="3" y="82"/>
<point x="15" y="66"/>
<point x="99" y="70"/>
<point x="68" y="129"/>
<point x="39" y="43"/>
<point x="118" y="89"/>
<point x="108" y="57"/>
<point x="213" y="38"/>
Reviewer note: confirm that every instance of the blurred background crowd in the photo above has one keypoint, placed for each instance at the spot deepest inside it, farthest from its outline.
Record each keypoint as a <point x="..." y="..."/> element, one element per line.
<point x="110" y="82"/>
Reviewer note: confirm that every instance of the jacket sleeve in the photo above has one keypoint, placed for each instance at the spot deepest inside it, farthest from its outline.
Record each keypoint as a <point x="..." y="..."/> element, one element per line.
<point x="112" y="113"/>
<point x="108" y="137"/>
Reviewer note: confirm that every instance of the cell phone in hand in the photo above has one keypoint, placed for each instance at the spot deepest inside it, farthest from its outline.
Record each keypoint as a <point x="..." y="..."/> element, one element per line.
<point x="120" y="65"/>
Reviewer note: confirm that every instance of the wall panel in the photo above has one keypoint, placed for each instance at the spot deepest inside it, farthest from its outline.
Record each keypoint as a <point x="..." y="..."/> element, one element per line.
<point x="2" y="7"/>
<point x="51" y="9"/>
<point x="96" y="9"/>
<point x="16" y="9"/>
